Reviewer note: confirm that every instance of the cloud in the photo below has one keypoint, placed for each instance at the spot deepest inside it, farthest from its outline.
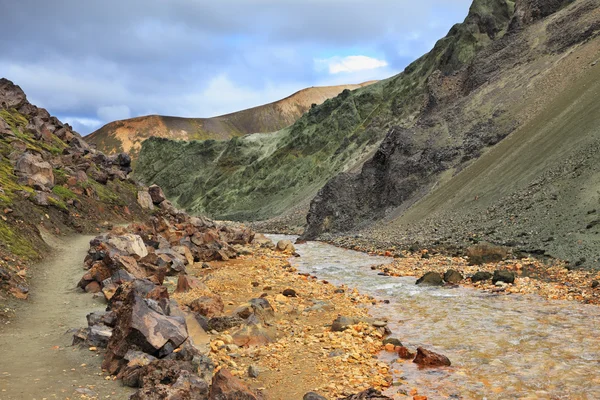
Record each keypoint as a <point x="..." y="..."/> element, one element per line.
<point x="112" y="113"/>
<point x="337" y="65"/>
<point x="82" y="124"/>
<point x="115" y="59"/>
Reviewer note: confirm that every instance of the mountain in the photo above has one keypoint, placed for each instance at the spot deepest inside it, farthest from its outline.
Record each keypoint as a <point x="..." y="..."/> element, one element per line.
<point x="128" y="135"/>
<point x="259" y="177"/>
<point x="491" y="136"/>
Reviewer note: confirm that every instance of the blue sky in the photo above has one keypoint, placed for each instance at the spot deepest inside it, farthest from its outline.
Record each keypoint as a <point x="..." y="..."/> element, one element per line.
<point x="91" y="62"/>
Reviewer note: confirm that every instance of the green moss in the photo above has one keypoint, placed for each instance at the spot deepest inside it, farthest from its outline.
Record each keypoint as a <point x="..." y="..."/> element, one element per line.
<point x="63" y="192"/>
<point x="16" y="243"/>
<point x="61" y="205"/>
<point x="60" y="176"/>
<point x="104" y="193"/>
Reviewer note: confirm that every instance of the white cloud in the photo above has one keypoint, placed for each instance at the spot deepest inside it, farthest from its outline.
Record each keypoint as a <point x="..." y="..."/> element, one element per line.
<point x="82" y="125"/>
<point x="337" y="65"/>
<point x="113" y="113"/>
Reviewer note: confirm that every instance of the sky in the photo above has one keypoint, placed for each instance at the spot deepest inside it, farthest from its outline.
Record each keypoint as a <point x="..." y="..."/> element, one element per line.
<point x="90" y="62"/>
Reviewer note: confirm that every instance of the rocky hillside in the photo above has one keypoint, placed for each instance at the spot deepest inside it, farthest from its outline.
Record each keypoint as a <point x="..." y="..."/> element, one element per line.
<point x="448" y="179"/>
<point x="128" y="135"/>
<point x="51" y="182"/>
<point x="261" y="177"/>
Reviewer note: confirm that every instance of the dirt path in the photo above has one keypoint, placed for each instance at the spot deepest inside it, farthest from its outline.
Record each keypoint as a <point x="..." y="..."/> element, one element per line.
<point x="36" y="360"/>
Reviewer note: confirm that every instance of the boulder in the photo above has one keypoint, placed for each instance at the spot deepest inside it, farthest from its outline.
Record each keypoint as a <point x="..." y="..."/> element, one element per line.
<point x="93" y="287"/>
<point x="289" y="293"/>
<point x="286" y="246"/>
<point x="342" y="323"/>
<point x="453" y="276"/>
<point x="224" y="323"/>
<point x="141" y="326"/>
<point x="185" y="283"/>
<point x="369" y="394"/>
<point x="34" y="170"/>
<point x="431" y="279"/>
<point x="227" y="387"/>
<point x="252" y="335"/>
<point x="313" y="396"/>
<point x="393" y="341"/>
<point x="144" y="200"/>
<point x="129" y="244"/>
<point x="108" y="318"/>
<point x="426" y="358"/>
<point x="503" y="276"/>
<point x="170" y="379"/>
<point x="208" y="306"/>
<point x="486" y="253"/>
<point x="99" y="335"/>
<point x="156" y="194"/>
<point x="253" y="371"/>
<point x="481" y="276"/>
<point x="405" y="354"/>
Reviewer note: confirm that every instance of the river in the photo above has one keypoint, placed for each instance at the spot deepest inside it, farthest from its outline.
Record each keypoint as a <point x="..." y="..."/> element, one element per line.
<point x="501" y="347"/>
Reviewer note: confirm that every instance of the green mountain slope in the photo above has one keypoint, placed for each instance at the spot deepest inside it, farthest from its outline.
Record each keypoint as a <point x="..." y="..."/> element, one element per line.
<point x="256" y="178"/>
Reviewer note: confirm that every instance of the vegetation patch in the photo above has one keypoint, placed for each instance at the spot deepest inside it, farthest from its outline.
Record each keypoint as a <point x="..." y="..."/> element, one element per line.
<point x="16" y="243"/>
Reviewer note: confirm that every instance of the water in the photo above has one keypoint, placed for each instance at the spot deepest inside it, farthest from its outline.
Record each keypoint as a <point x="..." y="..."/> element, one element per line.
<point x="501" y="347"/>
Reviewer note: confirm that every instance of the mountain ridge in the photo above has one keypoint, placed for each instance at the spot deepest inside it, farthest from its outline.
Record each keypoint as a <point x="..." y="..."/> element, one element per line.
<point x="127" y="135"/>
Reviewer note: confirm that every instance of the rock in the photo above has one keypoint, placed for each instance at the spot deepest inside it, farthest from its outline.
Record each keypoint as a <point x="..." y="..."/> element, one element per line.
<point x="285" y="246"/>
<point x="431" y="279"/>
<point x="428" y="358"/>
<point x="342" y="323"/>
<point x="252" y="335"/>
<point x="172" y="380"/>
<point x="156" y="194"/>
<point x="486" y="253"/>
<point x="259" y="307"/>
<point x="393" y="341"/>
<point x="289" y="293"/>
<point x="34" y="170"/>
<point x="453" y="276"/>
<point x="313" y="396"/>
<point x="41" y="199"/>
<point x="186" y="283"/>
<point x="320" y="305"/>
<point x="140" y="326"/>
<point x="93" y="287"/>
<point x="224" y="323"/>
<point x="226" y="387"/>
<point x="595" y="284"/>
<point x="405" y="354"/>
<point x="503" y="276"/>
<point x="99" y="335"/>
<point x="481" y="276"/>
<point x="369" y="394"/>
<point x="108" y="318"/>
<point x="129" y="244"/>
<point x="208" y="306"/>
<point x="144" y="200"/>
<point x="253" y="371"/>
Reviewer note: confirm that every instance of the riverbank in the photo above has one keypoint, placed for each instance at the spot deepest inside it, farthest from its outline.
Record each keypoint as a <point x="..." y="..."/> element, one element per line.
<point x="547" y="277"/>
<point x="304" y="354"/>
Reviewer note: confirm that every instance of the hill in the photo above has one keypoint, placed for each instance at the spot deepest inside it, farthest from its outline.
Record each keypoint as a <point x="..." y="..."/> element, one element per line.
<point x="491" y="136"/>
<point x="52" y="183"/>
<point x="128" y="135"/>
<point x="259" y="177"/>
<point x="535" y="191"/>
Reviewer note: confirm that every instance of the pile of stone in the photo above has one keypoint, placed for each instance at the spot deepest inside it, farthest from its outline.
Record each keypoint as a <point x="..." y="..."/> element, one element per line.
<point x="164" y="247"/>
<point x="43" y="145"/>
<point x="150" y="340"/>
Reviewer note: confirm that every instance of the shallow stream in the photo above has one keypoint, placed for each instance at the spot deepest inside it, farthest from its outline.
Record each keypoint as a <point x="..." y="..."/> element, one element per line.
<point x="501" y="347"/>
